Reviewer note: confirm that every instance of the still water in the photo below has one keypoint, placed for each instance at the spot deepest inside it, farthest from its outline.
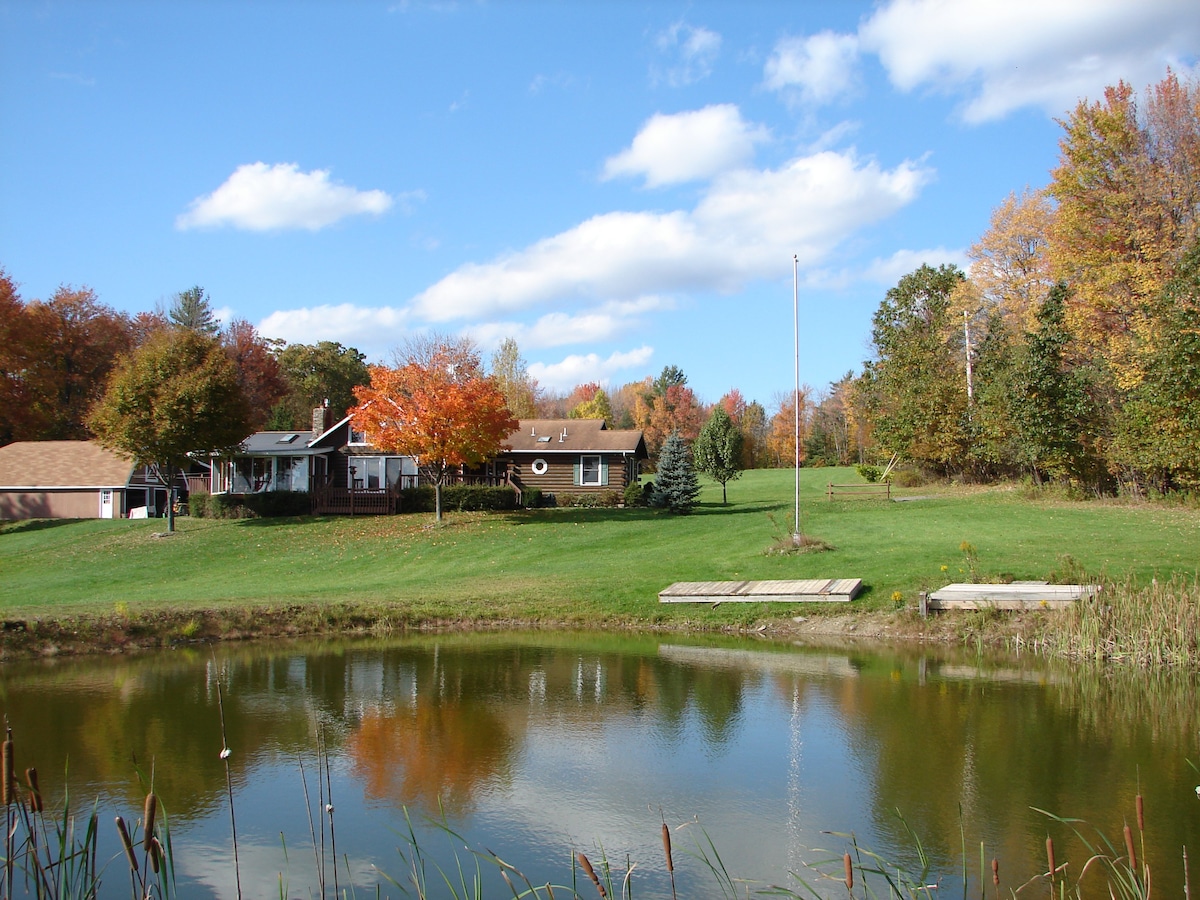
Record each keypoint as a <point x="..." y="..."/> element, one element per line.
<point x="532" y="746"/>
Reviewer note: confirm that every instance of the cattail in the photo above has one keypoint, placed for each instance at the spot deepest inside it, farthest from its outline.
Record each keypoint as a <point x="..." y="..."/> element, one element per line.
<point x="1141" y="814"/>
<point x="995" y="871"/>
<point x="591" y="873"/>
<point x="7" y="774"/>
<point x="1129" y="848"/>
<point x="1050" y="856"/>
<point x="666" y="833"/>
<point x="148" y="819"/>
<point x="35" y="794"/>
<point x="155" y="855"/>
<point x="849" y="871"/>
<point x="127" y="844"/>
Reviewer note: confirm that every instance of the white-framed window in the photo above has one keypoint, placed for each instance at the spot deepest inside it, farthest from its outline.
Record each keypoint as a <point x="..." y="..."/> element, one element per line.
<point x="539" y="467"/>
<point x="590" y="473"/>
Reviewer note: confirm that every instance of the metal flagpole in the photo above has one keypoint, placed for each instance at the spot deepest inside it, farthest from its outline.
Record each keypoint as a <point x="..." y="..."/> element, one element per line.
<point x="796" y="396"/>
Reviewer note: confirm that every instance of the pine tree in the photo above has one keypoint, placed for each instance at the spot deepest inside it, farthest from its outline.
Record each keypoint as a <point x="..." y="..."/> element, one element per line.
<point x="191" y="309"/>
<point x="676" y="485"/>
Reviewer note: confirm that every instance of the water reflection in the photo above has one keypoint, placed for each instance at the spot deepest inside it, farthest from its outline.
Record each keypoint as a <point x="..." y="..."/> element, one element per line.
<point x="534" y="744"/>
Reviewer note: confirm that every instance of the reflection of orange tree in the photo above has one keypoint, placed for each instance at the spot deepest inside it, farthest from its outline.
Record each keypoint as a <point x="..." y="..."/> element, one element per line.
<point x="435" y="751"/>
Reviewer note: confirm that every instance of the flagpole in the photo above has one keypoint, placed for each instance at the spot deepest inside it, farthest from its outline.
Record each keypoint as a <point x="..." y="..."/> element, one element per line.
<point x="796" y="395"/>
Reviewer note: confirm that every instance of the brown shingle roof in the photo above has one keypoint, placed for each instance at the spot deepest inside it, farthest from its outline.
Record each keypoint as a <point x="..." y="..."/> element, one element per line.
<point x="50" y="464"/>
<point x="573" y="436"/>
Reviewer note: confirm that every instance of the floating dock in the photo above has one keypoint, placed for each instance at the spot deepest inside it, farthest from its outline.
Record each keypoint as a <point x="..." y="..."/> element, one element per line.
<point x="816" y="590"/>
<point x="1018" y="595"/>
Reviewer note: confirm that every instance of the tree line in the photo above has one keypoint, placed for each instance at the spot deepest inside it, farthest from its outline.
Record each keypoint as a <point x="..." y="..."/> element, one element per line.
<point x="1070" y="350"/>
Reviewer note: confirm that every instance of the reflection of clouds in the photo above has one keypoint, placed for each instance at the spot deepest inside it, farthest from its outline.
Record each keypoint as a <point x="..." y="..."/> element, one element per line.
<point x="265" y="870"/>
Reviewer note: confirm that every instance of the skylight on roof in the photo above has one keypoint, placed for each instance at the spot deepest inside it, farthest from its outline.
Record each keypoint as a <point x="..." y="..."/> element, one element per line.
<point x="544" y="440"/>
<point x="287" y="438"/>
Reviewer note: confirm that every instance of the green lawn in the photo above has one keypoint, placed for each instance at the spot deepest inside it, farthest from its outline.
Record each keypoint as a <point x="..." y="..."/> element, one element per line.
<point x="584" y="566"/>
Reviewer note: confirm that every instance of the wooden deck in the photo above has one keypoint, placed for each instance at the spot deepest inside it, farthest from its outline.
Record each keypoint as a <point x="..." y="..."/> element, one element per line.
<point x="1015" y="596"/>
<point x="817" y="590"/>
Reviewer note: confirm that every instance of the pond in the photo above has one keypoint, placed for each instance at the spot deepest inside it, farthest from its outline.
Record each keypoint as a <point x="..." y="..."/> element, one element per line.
<point x="762" y="758"/>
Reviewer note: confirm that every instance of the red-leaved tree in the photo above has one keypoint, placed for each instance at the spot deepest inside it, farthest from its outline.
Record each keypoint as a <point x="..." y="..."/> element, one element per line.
<point x="438" y="407"/>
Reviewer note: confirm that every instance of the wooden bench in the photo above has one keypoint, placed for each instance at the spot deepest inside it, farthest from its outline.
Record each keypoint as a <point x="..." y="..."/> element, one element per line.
<point x="869" y="490"/>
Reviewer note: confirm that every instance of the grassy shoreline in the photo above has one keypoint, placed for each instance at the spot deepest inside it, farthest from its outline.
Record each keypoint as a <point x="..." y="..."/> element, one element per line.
<point x="106" y="586"/>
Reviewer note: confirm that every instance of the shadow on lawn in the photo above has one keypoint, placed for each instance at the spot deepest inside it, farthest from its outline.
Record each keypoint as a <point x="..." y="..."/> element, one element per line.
<point x="33" y="525"/>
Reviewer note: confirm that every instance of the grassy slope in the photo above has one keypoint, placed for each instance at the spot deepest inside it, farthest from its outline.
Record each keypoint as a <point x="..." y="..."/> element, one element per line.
<point x="581" y="565"/>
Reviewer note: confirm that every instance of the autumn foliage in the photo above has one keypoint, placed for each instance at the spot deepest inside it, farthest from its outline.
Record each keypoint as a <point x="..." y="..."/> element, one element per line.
<point x="439" y="408"/>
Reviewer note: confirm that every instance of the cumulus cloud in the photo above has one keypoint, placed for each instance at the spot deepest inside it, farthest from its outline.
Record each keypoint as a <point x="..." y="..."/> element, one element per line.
<point x="261" y="197"/>
<point x="690" y="52"/>
<point x="820" y="67"/>
<point x="1007" y="54"/>
<point x="558" y="329"/>
<point x="890" y="270"/>
<point x="670" y="149"/>
<point x="371" y="329"/>
<point x="578" y="369"/>
<point x="746" y="222"/>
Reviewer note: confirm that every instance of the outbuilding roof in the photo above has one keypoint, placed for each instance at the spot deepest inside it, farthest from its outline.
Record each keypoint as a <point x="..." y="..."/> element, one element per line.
<point x="574" y="436"/>
<point x="63" y="464"/>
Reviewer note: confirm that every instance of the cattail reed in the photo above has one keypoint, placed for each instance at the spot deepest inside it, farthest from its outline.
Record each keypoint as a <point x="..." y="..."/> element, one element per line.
<point x="849" y="871"/>
<point x="1129" y="848"/>
<point x="35" y="793"/>
<point x="1050" y="857"/>
<point x="155" y="855"/>
<point x="7" y="774"/>
<point x="591" y="873"/>
<point x="995" y="871"/>
<point x="127" y="844"/>
<point x="1141" y="813"/>
<point x="148" y="816"/>
<point x="666" y="836"/>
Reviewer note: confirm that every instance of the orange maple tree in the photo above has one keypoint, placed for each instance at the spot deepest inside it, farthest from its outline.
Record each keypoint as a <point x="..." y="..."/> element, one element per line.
<point x="439" y="408"/>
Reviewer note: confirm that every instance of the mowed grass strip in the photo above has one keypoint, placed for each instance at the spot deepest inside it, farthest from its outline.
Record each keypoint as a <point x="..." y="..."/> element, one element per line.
<point x="585" y="566"/>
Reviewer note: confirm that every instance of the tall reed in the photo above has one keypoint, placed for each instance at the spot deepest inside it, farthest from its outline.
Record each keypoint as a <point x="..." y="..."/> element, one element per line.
<point x="1145" y="625"/>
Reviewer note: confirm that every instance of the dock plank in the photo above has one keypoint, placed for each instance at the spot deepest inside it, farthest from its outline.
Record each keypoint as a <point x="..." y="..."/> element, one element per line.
<point x="814" y="590"/>
<point x="1015" y="596"/>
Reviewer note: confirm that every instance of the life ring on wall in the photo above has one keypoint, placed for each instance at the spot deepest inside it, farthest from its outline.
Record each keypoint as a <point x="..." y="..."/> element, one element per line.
<point x="539" y="467"/>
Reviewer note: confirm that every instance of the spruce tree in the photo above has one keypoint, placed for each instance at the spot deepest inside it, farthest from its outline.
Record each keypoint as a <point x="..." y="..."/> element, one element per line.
<point x="192" y="309"/>
<point x="675" y="483"/>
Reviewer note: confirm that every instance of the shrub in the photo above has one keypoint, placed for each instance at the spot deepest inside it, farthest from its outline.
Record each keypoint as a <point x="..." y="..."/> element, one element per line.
<point x="870" y="473"/>
<point x="458" y="498"/>
<point x="589" y="500"/>
<point x="268" y="505"/>
<point x="532" y="497"/>
<point x="635" y="494"/>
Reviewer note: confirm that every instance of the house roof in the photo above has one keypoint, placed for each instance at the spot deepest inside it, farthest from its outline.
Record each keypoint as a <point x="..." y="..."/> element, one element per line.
<point x="574" y="436"/>
<point x="63" y="464"/>
<point x="277" y="443"/>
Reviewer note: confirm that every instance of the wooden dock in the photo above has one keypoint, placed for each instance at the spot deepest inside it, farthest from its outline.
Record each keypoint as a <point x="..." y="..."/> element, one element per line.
<point x="816" y="590"/>
<point x="1016" y="596"/>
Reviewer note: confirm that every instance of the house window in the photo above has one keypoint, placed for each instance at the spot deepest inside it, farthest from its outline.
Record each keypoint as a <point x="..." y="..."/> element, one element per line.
<point x="589" y="471"/>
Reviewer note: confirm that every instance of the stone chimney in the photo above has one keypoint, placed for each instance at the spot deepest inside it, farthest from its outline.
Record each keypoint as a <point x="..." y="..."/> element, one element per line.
<point x="320" y="420"/>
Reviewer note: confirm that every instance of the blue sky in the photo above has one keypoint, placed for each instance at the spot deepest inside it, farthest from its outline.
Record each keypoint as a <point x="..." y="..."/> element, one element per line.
<point x="619" y="186"/>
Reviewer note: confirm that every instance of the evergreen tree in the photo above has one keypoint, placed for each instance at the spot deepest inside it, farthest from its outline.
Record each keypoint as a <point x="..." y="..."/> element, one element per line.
<point x="676" y="485"/>
<point x="191" y="309"/>
<point x="718" y="449"/>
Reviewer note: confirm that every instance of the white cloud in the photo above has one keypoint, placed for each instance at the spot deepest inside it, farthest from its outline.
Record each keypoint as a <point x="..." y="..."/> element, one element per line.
<point x="747" y="225"/>
<point x="820" y="67"/>
<point x="1014" y="53"/>
<point x="558" y="329"/>
<point x="670" y="149"/>
<point x="691" y="51"/>
<point x="889" y="271"/>
<point x="261" y="197"/>
<point x="370" y="329"/>
<point x="579" y="369"/>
